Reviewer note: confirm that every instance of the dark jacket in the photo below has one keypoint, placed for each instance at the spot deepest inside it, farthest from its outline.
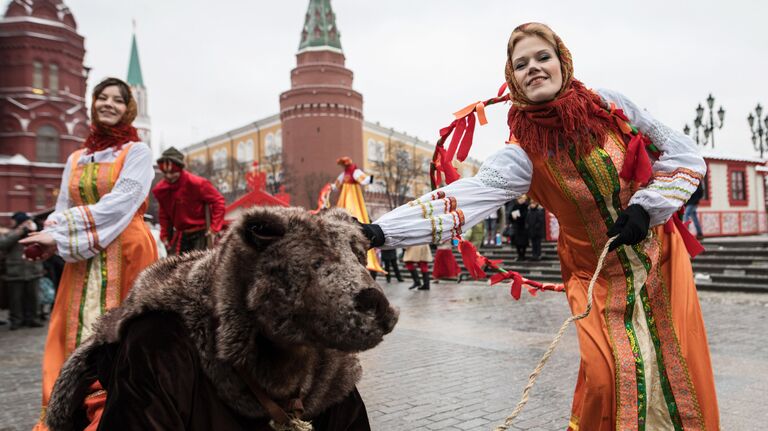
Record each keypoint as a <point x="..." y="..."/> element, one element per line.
<point x="696" y="196"/>
<point x="390" y="254"/>
<point x="166" y="374"/>
<point x="519" y="224"/>
<point x="16" y="267"/>
<point x="536" y="222"/>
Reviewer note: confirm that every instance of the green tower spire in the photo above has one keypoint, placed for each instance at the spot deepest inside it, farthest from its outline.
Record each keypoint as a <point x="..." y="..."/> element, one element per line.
<point x="320" y="30"/>
<point x="134" y="67"/>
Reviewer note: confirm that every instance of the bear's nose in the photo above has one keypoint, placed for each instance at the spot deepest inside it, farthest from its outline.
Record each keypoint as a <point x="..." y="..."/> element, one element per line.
<point x="371" y="299"/>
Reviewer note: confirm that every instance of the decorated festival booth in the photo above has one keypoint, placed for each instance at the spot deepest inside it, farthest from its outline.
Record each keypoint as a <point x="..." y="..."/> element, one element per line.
<point x="257" y="196"/>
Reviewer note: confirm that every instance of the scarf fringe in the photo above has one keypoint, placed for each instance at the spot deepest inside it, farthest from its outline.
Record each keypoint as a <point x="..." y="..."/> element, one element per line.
<point x="577" y="118"/>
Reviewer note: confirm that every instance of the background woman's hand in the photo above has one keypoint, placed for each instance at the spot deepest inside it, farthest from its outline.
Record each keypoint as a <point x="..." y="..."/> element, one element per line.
<point x="38" y="246"/>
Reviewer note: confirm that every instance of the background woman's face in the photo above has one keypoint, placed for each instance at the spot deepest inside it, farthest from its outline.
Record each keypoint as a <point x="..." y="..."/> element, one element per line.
<point x="110" y="105"/>
<point x="536" y="69"/>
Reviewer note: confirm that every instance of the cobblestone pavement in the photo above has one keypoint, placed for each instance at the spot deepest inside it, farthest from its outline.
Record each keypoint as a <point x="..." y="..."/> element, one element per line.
<point x="460" y="357"/>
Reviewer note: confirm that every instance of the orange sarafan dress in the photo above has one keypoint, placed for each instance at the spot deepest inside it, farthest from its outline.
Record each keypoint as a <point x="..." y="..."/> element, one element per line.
<point x="100" y="232"/>
<point x="645" y="361"/>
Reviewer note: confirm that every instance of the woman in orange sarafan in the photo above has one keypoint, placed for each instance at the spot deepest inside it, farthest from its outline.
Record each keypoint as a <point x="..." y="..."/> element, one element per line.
<point x="98" y="228"/>
<point x="603" y="167"/>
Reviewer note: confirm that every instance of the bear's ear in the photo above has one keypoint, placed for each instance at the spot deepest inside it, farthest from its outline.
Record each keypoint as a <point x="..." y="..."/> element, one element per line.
<point x="262" y="228"/>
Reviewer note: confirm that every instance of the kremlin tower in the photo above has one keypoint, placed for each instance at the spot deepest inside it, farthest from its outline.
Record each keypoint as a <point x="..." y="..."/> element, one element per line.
<point x="136" y="81"/>
<point x="321" y="115"/>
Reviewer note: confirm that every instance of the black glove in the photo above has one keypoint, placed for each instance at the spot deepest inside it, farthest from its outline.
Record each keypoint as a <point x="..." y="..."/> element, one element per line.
<point x="374" y="233"/>
<point x="631" y="226"/>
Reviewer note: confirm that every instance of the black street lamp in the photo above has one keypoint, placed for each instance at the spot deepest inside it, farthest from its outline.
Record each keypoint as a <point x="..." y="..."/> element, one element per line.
<point x="758" y="132"/>
<point x="706" y="125"/>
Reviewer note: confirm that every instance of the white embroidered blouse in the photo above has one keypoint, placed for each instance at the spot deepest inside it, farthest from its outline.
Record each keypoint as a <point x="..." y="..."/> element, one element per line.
<point x="507" y="174"/>
<point x="114" y="210"/>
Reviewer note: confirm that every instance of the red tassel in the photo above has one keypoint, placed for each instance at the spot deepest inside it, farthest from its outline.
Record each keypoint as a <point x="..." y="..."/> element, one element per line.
<point x="466" y="141"/>
<point x="469" y="257"/>
<point x="637" y="164"/>
<point x="461" y="124"/>
<point x="517" y="286"/>
<point x="693" y="245"/>
<point x="502" y="89"/>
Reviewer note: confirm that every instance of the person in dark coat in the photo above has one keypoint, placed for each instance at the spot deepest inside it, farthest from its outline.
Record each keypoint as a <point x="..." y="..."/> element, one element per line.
<point x="690" y="210"/>
<point x="536" y="228"/>
<point x="389" y="258"/>
<point x="21" y="276"/>
<point x="517" y="219"/>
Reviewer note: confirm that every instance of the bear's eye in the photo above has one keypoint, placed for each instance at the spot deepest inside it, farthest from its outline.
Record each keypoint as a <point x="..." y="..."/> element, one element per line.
<point x="317" y="264"/>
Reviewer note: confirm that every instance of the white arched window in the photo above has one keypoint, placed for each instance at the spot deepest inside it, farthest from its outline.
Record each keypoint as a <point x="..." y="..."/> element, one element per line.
<point x="375" y="151"/>
<point x="245" y="151"/>
<point x="273" y="144"/>
<point x="47" y="145"/>
<point x="220" y="159"/>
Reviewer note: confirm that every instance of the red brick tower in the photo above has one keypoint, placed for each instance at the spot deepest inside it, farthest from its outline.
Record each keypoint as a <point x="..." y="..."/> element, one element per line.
<point x="321" y="115"/>
<point x="43" y="114"/>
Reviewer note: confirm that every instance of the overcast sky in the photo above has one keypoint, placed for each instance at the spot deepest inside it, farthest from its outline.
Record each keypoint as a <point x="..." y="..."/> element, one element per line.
<point x="213" y="66"/>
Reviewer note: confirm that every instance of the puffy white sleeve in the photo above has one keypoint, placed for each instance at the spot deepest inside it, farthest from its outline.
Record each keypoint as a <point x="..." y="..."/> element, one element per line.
<point x="445" y="212"/>
<point x="82" y="231"/>
<point x="62" y="201"/>
<point x="676" y="173"/>
<point x="361" y="177"/>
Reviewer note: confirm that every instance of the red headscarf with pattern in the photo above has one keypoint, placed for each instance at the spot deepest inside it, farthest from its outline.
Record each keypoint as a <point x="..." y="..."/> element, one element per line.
<point x="576" y="116"/>
<point x="103" y="136"/>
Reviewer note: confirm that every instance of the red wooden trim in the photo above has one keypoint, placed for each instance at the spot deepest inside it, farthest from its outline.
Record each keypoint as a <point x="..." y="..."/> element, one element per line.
<point x="706" y="201"/>
<point x="742" y="231"/>
<point x="738" y="167"/>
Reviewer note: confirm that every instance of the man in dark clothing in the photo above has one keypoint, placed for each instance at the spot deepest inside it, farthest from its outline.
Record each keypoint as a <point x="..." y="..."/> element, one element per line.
<point x="191" y="210"/>
<point x="536" y="228"/>
<point x="389" y="257"/>
<point x="517" y="219"/>
<point x="21" y="276"/>
<point x="690" y="210"/>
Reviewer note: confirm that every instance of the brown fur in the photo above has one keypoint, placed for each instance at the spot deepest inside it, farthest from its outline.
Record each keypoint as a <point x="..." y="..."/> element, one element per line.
<point x="285" y="295"/>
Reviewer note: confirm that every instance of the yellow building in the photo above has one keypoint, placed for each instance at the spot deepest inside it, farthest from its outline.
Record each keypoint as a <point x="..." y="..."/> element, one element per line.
<point x="227" y="157"/>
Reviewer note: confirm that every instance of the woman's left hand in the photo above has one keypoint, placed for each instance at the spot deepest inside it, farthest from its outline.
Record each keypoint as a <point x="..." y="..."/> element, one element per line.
<point x="631" y="227"/>
<point x="38" y="246"/>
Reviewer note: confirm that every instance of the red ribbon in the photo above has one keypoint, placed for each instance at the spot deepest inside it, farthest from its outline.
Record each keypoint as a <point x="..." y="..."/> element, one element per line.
<point x="469" y="257"/>
<point x="693" y="245"/>
<point x="637" y="164"/>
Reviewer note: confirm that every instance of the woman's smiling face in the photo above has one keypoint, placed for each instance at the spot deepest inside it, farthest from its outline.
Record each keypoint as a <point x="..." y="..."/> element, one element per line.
<point x="110" y="105"/>
<point x="536" y="69"/>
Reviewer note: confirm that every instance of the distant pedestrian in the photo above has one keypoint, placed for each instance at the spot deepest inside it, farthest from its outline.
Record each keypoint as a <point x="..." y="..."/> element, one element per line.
<point x="418" y="255"/>
<point x="475" y="235"/>
<point x="191" y="209"/>
<point x="389" y="259"/>
<point x="691" y="208"/>
<point x="536" y="228"/>
<point x="517" y="219"/>
<point x="22" y="277"/>
<point x="490" y="228"/>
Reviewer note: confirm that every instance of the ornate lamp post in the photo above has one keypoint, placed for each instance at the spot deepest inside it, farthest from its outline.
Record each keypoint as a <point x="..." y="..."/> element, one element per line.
<point x="758" y="132"/>
<point x="707" y="125"/>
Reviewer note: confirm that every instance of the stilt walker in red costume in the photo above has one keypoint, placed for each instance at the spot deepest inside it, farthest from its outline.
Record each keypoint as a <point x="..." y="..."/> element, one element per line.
<point x="191" y="209"/>
<point x="351" y="199"/>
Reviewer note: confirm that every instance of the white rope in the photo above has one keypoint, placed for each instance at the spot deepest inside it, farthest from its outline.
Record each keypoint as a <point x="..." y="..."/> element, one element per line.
<point x="532" y="378"/>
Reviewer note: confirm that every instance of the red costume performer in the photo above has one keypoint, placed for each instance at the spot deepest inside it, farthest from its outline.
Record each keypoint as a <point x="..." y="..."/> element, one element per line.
<point x="183" y="199"/>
